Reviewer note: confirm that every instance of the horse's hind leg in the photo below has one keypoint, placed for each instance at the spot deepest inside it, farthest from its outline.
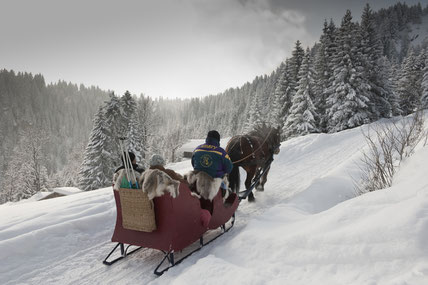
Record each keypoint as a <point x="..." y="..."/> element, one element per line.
<point x="259" y="185"/>
<point x="251" y="171"/>
<point x="263" y="180"/>
<point x="251" y="197"/>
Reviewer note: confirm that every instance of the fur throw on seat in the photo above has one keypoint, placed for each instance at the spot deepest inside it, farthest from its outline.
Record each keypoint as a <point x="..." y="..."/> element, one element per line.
<point x="206" y="186"/>
<point x="156" y="183"/>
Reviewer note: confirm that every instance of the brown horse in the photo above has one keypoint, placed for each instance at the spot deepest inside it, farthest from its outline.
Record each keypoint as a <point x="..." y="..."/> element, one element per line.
<point x="252" y="151"/>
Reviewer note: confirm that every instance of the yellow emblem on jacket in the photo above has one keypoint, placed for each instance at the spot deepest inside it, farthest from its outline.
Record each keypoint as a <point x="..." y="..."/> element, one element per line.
<point x="206" y="160"/>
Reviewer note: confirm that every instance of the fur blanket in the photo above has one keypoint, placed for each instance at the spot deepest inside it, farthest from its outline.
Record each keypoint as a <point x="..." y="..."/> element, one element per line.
<point x="156" y="182"/>
<point x="206" y="186"/>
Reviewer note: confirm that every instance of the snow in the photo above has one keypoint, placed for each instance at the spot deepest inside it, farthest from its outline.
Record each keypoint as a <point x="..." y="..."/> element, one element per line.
<point x="67" y="190"/>
<point x="60" y="190"/>
<point x="307" y="227"/>
<point x="36" y="197"/>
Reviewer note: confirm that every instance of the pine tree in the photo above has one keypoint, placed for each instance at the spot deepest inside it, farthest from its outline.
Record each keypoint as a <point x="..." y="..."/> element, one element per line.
<point x="12" y="186"/>
<point x="408" y="89"/>
<point x="255" y="116"/>
<point x="116" y="127"/>
<point x="348" y="94"/>
<point x="424" y="98"/>
<point x="96" y="170"/>
<point x="26" y="174"/>
<point x="128" y="106"/>
<point x="294" y="65"/>
<point x="282" y="95"/>
<point x="132" y="126"/>
<point x="389" y="72"/>
<point x="69" y="175"/>
<point x="303" y="116"/>
<point x="324" y="70"/>
<point x="146" y="117"/>
<point x="370" y="51"/>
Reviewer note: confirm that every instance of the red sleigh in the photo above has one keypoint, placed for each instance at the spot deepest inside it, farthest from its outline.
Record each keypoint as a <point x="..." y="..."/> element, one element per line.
<point x="180" y="222"/>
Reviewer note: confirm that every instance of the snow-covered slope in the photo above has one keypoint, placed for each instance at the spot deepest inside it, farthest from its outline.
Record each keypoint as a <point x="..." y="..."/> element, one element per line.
<point x="306" y="228"/>
<point x="419" y="32"/>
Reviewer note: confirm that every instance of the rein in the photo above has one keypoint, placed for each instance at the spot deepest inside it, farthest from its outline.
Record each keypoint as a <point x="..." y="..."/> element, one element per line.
<point x="242" y="159"/>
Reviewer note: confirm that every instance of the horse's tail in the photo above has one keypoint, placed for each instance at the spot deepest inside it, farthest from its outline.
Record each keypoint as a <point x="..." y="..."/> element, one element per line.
<point x="234" y="179"/>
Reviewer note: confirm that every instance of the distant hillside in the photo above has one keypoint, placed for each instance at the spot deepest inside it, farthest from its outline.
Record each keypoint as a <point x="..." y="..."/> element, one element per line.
<point x="62" y="111"/>
<point x="401" y="26"/>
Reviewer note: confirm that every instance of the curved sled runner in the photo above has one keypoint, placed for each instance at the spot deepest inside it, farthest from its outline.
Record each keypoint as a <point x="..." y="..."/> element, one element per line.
<point x="180" y="222"/>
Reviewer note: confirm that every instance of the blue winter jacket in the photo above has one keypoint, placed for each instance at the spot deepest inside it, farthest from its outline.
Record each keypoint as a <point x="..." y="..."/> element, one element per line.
<point x="212" y="159"/>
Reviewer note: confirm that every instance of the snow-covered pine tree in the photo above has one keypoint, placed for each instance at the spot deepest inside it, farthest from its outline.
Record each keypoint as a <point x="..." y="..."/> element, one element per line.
<point x="282" y="96"/>
<point x="370" y="51"/>
<point x="322" y="59"/>
<point x="294" y="64"/>
<point x="128" y="106"/>
<point x="421" y="59"/>
<point x="69" y="175"/>
<point x="389" y="71"/>
<point x="349" y="92"/>
<point x="132" y="126"/>
<point x="26" y="173"/>
<point x="267" y="98"/>
<point x="290" y="79"/>
<point x="303" y="117"/>
<point x="408" y="89"/>
<point x="96" y="170"/>
<point x="12" y="185"/>
<point x="255" y="116"/>
<point x="117" y="127"/>
<point x="324" y="70"/>
<point x="172" y="140"/>
<point x="144" y="127"/>
<point x="424" y="98"/>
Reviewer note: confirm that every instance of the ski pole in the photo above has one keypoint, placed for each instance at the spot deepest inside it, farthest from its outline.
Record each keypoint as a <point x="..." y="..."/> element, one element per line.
<point x="132" y="169"/>
<point x="125" y="161"/>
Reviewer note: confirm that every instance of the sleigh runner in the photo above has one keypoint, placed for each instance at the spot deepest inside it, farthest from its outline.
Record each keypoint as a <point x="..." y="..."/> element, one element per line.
<point x="179" y="222"/>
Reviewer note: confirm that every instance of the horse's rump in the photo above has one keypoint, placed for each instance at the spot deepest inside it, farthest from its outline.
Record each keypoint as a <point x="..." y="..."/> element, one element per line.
<point x="252" y="151"/>
<point x="246" y="150"/>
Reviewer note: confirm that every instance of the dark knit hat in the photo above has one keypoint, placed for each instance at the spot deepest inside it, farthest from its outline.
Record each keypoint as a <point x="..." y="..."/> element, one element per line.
<point x="214" y="134"/>
<point x="131" y="156"/>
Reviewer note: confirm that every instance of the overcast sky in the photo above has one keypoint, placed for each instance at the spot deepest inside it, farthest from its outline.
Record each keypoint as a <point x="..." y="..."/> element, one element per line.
<point x="169" y="48"/>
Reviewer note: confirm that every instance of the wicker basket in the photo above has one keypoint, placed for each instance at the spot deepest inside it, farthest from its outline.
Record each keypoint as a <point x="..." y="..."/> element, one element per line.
<point x="138" y="211"/>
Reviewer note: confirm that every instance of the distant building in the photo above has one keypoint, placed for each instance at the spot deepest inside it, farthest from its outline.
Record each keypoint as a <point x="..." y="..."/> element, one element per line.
<point x="61" y="191"/>
<point x="187" y="149"/>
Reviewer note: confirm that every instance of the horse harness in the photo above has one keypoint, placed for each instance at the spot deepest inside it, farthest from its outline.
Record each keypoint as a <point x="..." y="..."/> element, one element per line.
<point x="253" y="153"/>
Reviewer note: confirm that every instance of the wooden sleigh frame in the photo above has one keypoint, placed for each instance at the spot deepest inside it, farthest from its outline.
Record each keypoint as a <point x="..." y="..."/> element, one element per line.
<point x="180" y="222"/>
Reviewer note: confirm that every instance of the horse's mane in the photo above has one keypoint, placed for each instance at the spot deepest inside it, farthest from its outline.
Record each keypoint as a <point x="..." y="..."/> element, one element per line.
<point x="263" y="132"/>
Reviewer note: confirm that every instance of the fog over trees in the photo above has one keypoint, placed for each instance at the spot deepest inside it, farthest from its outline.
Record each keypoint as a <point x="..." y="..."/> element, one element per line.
<point x="359" y="71"/>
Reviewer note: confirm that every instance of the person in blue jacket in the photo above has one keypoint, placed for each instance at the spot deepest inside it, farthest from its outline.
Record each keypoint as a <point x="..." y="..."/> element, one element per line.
<point x="211" y="158"/>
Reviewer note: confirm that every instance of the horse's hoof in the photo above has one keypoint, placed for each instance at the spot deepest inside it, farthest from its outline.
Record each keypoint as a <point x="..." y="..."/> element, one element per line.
<point x="251" y="198"/>
<point x="260" y="189"/>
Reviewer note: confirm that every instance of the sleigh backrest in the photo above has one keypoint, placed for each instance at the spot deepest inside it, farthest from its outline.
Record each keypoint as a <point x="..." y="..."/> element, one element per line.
<point x="138" y="211"/>
<point x="178" y="222"/>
